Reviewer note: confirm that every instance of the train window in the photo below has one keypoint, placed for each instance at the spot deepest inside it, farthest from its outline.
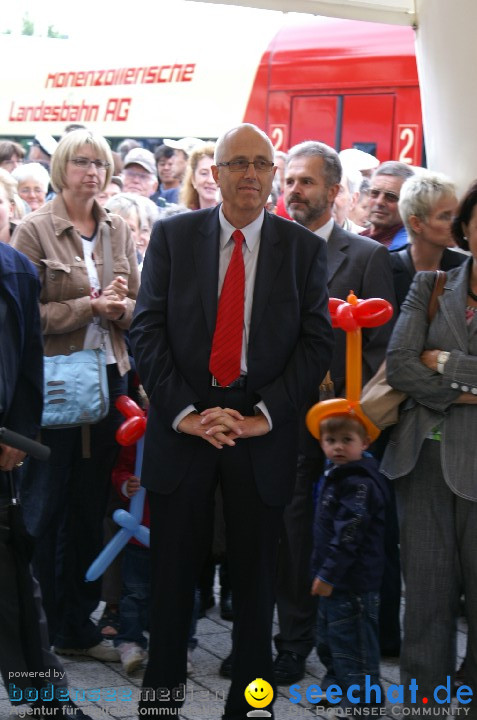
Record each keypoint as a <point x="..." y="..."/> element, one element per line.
<point x="367" y="147"/>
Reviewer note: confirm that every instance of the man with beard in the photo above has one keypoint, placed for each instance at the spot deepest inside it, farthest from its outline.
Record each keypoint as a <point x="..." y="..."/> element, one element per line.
<point x="312" y="180"/>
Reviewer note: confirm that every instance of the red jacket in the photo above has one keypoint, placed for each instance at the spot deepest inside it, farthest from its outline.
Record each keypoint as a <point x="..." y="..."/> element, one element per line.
<point x="122" y="471"/>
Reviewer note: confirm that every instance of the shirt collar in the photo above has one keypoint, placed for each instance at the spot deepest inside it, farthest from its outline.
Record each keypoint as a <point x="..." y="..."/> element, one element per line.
<point x="325" y="230"/>
<point x="251" y="232"/>
<point x="384" y="236"/>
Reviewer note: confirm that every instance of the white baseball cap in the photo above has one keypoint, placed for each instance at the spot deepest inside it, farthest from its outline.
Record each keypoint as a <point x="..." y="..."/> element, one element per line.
<point x="358" y="159"/>
<point x="187" y="144"/>
<point x="45" y="142"/>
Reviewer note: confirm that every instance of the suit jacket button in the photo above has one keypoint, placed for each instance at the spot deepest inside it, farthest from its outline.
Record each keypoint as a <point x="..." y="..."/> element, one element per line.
<point x="465" y="388"/>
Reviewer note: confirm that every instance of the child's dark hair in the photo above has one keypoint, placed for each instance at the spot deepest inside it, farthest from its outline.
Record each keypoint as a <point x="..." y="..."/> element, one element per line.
<point x="339" y="423"/>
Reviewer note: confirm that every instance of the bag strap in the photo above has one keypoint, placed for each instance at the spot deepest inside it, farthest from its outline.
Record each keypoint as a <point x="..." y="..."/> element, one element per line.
<point x="437" y="290"/>
<point x="108" y="274"/>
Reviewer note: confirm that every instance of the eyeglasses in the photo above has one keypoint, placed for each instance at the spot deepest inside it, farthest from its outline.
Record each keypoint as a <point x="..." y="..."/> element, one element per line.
<point x="84" y="163"/>
<point x="242" y="165"/>
<point x="143" y="176"/>
<point x="389" y="196"/>
<point x="31" y="191"/>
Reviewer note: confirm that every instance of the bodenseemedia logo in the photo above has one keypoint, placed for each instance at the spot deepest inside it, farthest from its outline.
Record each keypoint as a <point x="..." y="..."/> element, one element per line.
<point x="373" y="695"/>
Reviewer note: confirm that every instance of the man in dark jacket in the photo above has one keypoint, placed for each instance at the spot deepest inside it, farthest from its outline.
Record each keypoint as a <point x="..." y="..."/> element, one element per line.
<point x="21" y="351"/>
<point x="24" y="646"/>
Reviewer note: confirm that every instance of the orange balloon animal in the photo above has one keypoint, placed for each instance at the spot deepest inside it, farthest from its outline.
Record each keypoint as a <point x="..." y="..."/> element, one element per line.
<point x="351" y="315"/>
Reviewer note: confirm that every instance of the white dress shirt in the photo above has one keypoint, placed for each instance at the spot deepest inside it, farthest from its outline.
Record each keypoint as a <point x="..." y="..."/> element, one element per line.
<point x="325" y="230"/>
<point x="250" y="249"/>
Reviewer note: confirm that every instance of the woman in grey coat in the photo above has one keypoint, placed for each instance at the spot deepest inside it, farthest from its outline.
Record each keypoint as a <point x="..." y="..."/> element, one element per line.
<point x="432" y="455"/>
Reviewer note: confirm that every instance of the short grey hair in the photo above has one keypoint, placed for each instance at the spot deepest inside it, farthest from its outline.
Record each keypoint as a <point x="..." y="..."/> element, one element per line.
<point x="148" y="211"/>
<point x="280" y="154"/>
<point x="312" y="148"/>
<point x="394" y="168"/>
<point x="420" y="193"/>
<point x="172" y="209"/>
<point x="122" y="204"/>
<point x="353" y="179"/>
<point x="32" y="171"/>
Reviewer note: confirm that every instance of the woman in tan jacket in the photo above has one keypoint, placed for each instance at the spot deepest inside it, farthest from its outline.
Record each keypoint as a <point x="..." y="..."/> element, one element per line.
<point x="83" y="304"/>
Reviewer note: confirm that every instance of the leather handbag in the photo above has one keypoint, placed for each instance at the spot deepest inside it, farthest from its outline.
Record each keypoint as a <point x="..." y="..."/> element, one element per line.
<point x="75" y="389"/>
<point x="381" y="402"/>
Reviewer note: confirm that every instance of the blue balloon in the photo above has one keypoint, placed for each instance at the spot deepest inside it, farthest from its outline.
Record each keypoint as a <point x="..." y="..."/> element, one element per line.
<point x="130" y="523"/>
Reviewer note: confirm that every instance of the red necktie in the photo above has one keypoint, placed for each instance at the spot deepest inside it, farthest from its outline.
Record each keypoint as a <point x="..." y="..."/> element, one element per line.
<point x="226" y="351"/>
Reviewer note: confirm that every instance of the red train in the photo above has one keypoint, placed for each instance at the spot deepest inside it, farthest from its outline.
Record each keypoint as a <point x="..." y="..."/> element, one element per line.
<point x="347" y="83"/>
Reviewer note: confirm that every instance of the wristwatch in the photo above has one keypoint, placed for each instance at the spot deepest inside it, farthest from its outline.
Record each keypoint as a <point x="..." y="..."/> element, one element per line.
<point x="442" y="358"/>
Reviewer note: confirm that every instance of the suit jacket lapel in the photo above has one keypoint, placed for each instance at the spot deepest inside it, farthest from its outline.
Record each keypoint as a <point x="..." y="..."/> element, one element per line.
<point x="453" y="306"/>
<point x="337" y="243"/>
<point x="206" y="257"/>
<point x="269" y="260"/>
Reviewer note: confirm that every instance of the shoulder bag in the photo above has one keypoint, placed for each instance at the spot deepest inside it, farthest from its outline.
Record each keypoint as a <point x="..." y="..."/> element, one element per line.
<point x="75" y="389"/>
<point x="379" y="401"/>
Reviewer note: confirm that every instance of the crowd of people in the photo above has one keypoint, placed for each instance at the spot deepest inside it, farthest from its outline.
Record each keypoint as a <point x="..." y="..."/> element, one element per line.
<point x="203" y="269"/>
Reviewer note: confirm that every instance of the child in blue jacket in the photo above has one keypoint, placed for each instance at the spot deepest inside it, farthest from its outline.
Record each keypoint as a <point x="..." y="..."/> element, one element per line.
<point x="348" y="562"/>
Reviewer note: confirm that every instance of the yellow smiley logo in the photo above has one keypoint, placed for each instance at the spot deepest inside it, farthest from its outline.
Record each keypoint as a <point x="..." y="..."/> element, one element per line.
<point x="259" y="693"/>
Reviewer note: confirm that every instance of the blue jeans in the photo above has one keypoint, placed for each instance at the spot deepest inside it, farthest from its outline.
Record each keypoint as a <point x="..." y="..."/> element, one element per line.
<point x="348" y="643"/>
<point x="135" y="595"/>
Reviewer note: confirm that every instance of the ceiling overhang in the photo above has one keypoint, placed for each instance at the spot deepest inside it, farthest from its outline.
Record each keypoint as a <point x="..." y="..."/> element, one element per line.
<point x="394" y="12"/>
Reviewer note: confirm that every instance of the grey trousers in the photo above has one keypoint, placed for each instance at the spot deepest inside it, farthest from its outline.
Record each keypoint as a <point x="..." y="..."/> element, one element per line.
<point x="439" y="563"/>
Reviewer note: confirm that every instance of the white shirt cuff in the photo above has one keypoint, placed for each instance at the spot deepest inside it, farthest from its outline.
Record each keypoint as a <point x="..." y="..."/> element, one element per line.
<point x="263" y="408"/>
<point x="189" y="409"/>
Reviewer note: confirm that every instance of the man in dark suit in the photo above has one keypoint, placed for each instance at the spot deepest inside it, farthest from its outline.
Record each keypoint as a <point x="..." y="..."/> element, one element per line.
<point x="312" y="181"/>
<point x="241" y="431"/>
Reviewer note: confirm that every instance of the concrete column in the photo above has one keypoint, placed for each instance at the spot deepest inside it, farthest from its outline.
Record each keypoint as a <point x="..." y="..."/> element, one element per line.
<point x="446" y="51"/>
